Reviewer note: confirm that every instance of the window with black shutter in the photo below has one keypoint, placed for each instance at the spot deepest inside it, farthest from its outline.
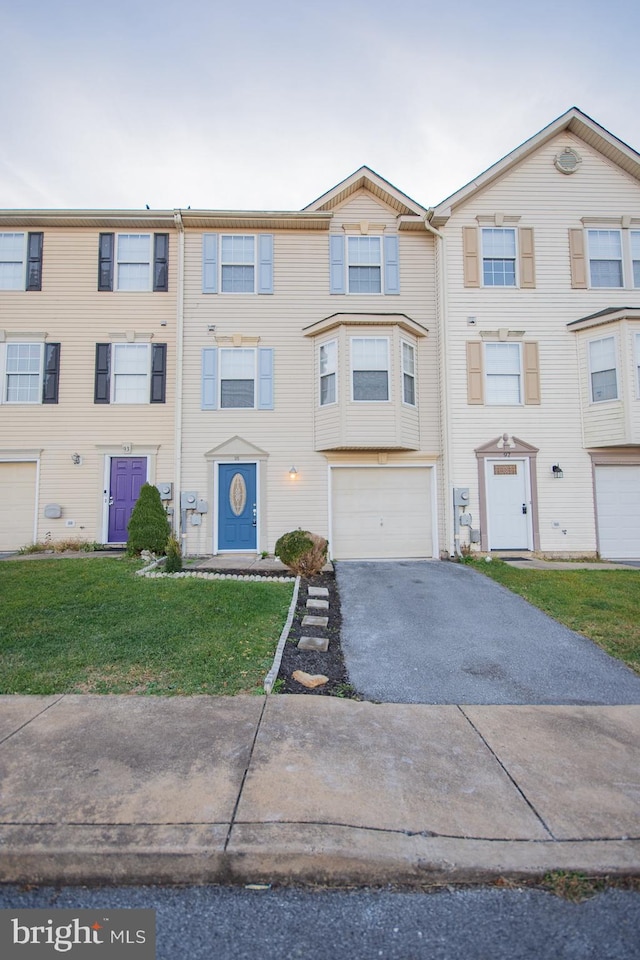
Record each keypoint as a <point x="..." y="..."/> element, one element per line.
<point x="161" y="262"/>
<point x="34" y="261"/>
<point x="103" y="373"/>
<point x="51" y="373"/>
<point x="105" y="264"/>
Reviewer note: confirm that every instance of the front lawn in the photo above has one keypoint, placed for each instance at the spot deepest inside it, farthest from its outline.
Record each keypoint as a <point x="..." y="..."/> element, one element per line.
<point x="93" y="626"/>
<point x="603" y="605"/>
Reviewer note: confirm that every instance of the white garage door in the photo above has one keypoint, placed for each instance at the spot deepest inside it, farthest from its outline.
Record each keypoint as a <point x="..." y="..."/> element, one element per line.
<point x="381" y="512"/>
<point x="618" y="498"/>
<point x="17" y="504"/>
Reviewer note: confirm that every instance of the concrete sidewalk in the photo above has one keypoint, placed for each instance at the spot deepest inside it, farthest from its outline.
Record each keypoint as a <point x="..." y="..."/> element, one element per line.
<point x="312" y="789"/>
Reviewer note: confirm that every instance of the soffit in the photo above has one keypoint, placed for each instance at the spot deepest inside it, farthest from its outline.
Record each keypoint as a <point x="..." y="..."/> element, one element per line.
<point x="109" y="219"/>
<point x="609" y="315"/>
<point x="366" y="320"/>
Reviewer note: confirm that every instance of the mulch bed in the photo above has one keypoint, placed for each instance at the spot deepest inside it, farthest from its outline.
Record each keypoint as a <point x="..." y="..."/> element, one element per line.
<point x="331" y="663"/>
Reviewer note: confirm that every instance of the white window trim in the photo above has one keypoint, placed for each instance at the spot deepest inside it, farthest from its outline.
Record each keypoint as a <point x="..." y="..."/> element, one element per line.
<point x="23" y="261"/>
<point x="116" y="263"/>
<point x="637" y="364"/>
<point x="631" y="258"/>
<point x="625" y="254"/>
<point x="329" y="403"/>
<point x="352" y="369"/>
<point x="112" y="384"/>
<point x="224" y="263"/>
<point x="493" y="403"/>
<point x="412" y="346"/>
<point x="500" y="286"/>
<point x="615" y="399"/>
<point x="380" y="265"/>
<point x="4" y="374"/>
<point x="225" y="350"/>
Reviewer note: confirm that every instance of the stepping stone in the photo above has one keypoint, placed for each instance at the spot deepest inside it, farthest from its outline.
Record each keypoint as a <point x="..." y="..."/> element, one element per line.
<point x="317" y="604"/>
<point x="310" y="679"/>
<point x="311" y="621"/>
<point x="317" y="592"/>
<point x="320" y="644"/>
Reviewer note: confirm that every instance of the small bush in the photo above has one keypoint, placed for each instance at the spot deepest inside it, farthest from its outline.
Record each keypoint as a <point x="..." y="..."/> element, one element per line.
<point x="303" y="552"/>
<point x="173" y="563"/>
<point x="148" y="526"/>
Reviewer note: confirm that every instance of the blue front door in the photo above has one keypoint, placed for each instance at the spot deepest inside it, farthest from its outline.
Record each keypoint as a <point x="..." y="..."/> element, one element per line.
<point x="127" y="476"/>
<point x="237" y="507"/>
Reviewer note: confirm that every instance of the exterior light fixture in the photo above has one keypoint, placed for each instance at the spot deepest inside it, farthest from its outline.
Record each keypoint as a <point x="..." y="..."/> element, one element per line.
<point x="76" y="458"/>
<point x="293" y="473"/>
<point x="557" y="471"/>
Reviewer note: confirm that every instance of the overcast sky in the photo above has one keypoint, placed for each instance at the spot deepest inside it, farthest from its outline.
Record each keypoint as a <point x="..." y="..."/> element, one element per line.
<point x="266" y="105"/>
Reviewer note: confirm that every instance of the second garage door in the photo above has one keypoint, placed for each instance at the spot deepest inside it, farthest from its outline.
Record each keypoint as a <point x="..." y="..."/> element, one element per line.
<point x="381" y="513"/>
<point x="618" y="497"/>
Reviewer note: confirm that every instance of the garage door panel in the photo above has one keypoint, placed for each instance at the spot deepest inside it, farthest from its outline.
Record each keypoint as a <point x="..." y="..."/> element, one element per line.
<point x="17" y="504"/>
<point x="381" y="513"/>
<point x="618" y="500"/>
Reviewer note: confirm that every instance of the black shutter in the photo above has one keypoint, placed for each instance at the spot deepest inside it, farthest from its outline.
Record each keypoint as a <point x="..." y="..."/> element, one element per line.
<point x="158" y="372"/>
<point x="34" y="261"/>
<point x="51" y="373"/>
<point x="103" y="373"/>
<point x="161" y="262"/>
<point x="105" y="262"/>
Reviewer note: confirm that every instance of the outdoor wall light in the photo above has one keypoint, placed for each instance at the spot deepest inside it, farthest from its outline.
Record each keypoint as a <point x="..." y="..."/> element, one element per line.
<point x="557" y="472"/>
<point x="293" y="473"/>
<point x="76" y="458"/>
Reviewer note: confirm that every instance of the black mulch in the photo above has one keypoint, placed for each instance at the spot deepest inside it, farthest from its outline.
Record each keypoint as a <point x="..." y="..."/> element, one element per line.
<point x="331" y="663"/>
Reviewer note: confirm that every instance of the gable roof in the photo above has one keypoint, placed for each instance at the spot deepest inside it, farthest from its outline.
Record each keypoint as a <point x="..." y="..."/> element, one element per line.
<point x="576" y="122"/>
<point x="365" y="178"/>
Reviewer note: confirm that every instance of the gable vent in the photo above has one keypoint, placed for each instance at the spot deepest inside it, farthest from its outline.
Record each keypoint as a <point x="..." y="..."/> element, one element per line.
<point x="567" y="161"/>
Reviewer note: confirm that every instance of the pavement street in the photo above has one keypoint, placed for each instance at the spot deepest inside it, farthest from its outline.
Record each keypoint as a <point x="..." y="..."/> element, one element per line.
<point x="312" y="789"/>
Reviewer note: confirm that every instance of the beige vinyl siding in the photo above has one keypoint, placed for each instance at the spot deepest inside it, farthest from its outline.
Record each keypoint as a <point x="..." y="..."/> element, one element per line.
<point x="71" y="312"/>
<point x="550" y="203"/>
<point x="17" y="504"/>
<point x="611" y="422"/>
<point x="293" y="432"/>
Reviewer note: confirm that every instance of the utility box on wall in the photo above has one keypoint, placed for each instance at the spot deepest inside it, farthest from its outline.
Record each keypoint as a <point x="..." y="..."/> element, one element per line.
<point x="460" y="496"/>
<point x="165" y="490"/>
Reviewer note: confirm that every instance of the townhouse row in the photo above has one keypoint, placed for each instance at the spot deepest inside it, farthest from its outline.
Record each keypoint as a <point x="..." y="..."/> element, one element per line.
<point x="406" y="381"/>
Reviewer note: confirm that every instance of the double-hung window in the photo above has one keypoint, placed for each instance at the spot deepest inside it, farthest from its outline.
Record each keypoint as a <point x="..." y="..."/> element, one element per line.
<point x="133" y="262"/>
<point x="370" y="368"/>
<point x="603" y="369"/>
<point x="237" y="263"/>
<point x="364" y="264"/>
<point x="605" y="258"/>
<point x="21" y="261"/>
<point x="408" y="373"/>
<point x="30" y="372"/>
<point x="237" y="378"/>
<point x="237" y="257"/>
<point x="130" y="373"/>
<point x="634" y="240"/>
<point x="328" y="371"/>
<point x="503" y="373"/>
<point x="499" y="257"/>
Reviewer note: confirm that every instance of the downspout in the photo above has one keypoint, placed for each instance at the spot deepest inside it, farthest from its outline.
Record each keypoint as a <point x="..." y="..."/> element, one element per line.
<point x="179" y="526"/>
<point x="444" y="375"/>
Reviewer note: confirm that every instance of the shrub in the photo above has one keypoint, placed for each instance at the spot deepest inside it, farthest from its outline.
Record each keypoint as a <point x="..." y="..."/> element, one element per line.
<point x="303" y="552"/>
<point x="148" y="526"/>
<point x="173" y="563"/>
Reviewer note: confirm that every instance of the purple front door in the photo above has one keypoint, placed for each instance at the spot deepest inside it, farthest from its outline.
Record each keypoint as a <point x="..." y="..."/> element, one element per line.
<point x="127" y="476"/>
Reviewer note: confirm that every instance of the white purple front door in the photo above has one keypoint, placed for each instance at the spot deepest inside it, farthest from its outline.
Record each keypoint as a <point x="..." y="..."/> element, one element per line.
<point x="127" y="476"/>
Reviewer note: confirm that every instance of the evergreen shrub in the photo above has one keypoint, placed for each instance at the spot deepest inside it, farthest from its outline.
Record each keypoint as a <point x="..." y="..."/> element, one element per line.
<point x="148" y="527"/>
<point x="303" y="552"/>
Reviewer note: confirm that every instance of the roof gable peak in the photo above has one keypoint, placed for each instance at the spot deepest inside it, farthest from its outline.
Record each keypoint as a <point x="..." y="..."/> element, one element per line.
<point x="366" y="178"/>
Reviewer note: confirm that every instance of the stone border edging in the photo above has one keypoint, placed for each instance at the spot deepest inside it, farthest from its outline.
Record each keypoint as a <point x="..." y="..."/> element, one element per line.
<point x="270" y="678"/>
<point x="207" y="575"/>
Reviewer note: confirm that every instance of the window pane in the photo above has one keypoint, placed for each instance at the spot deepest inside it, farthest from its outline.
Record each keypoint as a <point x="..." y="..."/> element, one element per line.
<point x="369" y="353"/>
<point x="605" y="245"/>
<point x="23" y="362"/>
<point x="502" y="358"/>
<point x="237" y="364"/>
<point x="130" y="388"/>
<point x="364" y="250"/>
<point x="408" y="358"/>
<point x="23" y="357"/>
<point x="602" y="354"/>
<point x="328" y="389"/>
<point x="499" y="273"/>
<point x="409" y="389"/>
<point x="11" y="246"/>
<point x="370" y="385"/>
<point x="503" y="389"/>
<point x="134" y="248"/>
<point x="636" y="273"/>
<point x="365" y="280"/>
<point x="604" y="385"/>
<point x="237" y="279"/>
<point x="327" y="358"/>
<point x="133" y="276"/>
<point x="11" y="276"/>
<point x="499" y="243"/>
<point x="606" y="273"/>
<point x="237" y="249"/>
<point x="130" y="358"/>
<point x="236" y="393"/>
<point x="23" y="388"/>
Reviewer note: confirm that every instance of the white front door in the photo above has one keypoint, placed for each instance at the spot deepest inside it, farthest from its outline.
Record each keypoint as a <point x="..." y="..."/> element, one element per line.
<point x="508" y="504"/>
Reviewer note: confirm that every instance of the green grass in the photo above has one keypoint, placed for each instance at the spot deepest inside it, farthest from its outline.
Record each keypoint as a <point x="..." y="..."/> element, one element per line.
<point x="603" y="605"/>
<point x="93" y="626"/>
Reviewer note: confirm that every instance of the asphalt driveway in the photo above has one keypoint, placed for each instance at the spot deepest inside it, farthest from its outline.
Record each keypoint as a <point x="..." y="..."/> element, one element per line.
<point x="436" y="632"/>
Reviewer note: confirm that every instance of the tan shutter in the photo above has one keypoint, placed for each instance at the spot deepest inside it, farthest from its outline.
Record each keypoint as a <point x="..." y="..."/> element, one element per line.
<point x="578" y="261"/>
<point x="527" y="258"/>
<point x="475" y="391"/>
<point x="471" y="256"/>
<point x="531" y="373"/>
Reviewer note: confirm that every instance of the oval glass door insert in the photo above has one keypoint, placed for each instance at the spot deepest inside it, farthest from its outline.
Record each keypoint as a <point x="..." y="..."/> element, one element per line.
<point x="237" y="494"/>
